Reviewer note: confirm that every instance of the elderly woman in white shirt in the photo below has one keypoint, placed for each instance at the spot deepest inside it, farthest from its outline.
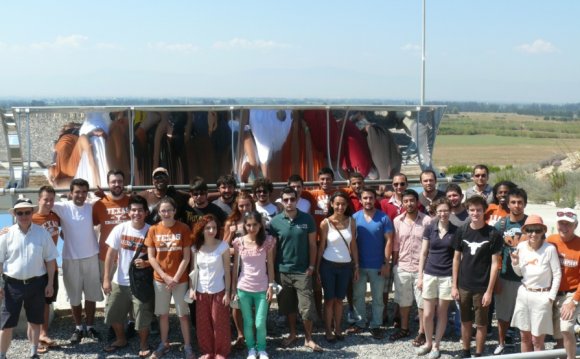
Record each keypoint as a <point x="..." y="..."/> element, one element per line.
<point x="537" y="262"/>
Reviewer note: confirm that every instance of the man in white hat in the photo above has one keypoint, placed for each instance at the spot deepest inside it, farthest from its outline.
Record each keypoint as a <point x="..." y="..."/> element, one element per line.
<point x="566" y="307"/>
<point x="163" y="189"/>
<point x="27" y="265"/>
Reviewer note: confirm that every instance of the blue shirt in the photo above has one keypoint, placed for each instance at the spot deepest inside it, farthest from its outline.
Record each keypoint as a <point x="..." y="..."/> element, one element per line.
<point x="370" y="238"/>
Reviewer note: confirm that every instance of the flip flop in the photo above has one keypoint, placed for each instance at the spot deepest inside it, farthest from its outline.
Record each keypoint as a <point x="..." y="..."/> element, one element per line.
<point x="240" y="343"/>
<point x="48" y="343"/>
<point x="42" y="349"/>
<point x="315" y="348"/>
<point x="288" y="342"/>
<point x="145" y="353"/>
<point x="113" y="348"/>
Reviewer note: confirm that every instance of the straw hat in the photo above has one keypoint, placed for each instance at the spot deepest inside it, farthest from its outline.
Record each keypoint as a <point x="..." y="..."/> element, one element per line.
<point x="20" y="204"/>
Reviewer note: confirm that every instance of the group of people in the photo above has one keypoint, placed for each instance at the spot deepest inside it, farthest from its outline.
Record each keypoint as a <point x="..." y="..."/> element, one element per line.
<point x="226" y="259"/>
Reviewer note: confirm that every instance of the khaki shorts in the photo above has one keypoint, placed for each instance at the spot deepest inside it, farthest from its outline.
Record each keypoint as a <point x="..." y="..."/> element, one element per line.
<point x="82" y="276"/>
<point x="505" y="301"/>
<point x="406" y="288"/>
<point x="297" y="295"/>
<point x="533" y="312"/>
<point x="471" y="308"/>
<point x="559" y="324"/>
<point x="435" y="287"/>
<point x="163" y="298"/>
<point x="121" y="301"/>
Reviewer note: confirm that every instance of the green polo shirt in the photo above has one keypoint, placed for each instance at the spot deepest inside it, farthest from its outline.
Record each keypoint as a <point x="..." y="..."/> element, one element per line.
<point x="292" y="247"/>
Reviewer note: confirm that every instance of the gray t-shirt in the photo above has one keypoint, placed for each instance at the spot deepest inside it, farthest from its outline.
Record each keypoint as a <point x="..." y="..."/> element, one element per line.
<point x="459" y="219"/>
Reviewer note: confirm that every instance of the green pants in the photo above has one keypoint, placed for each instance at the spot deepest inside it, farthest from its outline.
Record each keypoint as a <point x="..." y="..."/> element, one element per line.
<point x="249" y="300"/>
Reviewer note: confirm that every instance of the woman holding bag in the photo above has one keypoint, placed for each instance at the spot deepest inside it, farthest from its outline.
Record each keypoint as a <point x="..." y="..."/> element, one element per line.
<point x="253" y="277"/>
<point x="211" y="289"/>
<point x="337" y="262"/>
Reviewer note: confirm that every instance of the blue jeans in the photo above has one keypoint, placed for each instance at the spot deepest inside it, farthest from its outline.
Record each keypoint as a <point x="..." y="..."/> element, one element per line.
<point x="359" y="289"/>
<point x="247" y="301"/>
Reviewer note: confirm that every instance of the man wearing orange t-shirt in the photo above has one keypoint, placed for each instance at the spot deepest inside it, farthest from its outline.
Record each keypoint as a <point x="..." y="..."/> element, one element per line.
<point x="109" y="211"/>
<point x="566" y="307"/>
<point x="48" y="220"/>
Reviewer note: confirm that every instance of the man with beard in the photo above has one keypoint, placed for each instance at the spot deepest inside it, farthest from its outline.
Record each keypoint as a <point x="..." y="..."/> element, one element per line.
<point x="409" y="229"/>
<point x="109" y="211"/>
<point x="226" y="185"/>
<point x="198" y="205"/>
<point x="297" y="183"/>
<point x="163" y="189"/>
<point x="506" y="289"/>
<point x="458" y="215"/>
<point x="262" y="188"/>
<point x="481" y="188"/>
<point x="430" y="192"/>
<point x="566" y="308"/>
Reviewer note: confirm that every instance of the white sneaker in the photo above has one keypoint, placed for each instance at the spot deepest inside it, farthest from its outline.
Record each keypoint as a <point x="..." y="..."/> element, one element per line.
<point x="352" y="318"/>
<point x="498" y="350"/>
<point x="252" y="354"/>
<point x="263" y="355"/>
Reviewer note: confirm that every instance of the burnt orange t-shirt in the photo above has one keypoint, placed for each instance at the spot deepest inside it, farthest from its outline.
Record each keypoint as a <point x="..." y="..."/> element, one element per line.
<point x="495" y="210"/>
<point x="319" y="204"/>
<point x="569" y="255"/>
<point x="169" y="243"/>
<point x="50" y="222"/>
<point x="107" y="213"/>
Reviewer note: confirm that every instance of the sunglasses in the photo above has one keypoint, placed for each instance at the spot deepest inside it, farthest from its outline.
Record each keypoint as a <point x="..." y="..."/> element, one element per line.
<point x="160" y="176"/>
<point x="480" y="176"/>
<point x="534" y="230"/>
<point x="289" y="200"/>
<point x="25" y="213"/>
<point x="566" y="214"/>
<point x="399" y="184"/>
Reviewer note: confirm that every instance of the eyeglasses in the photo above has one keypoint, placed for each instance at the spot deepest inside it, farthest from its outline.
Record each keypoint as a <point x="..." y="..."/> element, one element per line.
<point x="289" y="200"/>
<point x="197" y="193"/>
<point x="534" y="230"/>
<point x="480" y="175"/>
<point x="400" y="184"/>
<point x="25" y="213"/>
<point x="566" y="214"/>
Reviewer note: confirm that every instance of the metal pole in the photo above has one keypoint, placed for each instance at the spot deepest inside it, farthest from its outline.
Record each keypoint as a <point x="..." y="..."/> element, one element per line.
<point x="544" y="354"/>
<point x="423" y="59"/>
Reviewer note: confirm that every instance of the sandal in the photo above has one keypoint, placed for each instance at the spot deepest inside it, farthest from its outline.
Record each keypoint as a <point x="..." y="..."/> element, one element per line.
<point x="354" y="330"/>
<point x="145" y="353"/>
<point x="339" y="337"/>
<point x="161" y="350"/>
<point x="239" y="344"/>
<point x="42" y="349"/>
<point x="402" y="333"/>
<point x="419" y="340"/>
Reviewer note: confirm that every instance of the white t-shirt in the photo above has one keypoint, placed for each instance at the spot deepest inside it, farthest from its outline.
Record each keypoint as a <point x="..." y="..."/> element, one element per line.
<point x="125" y="239"/>
<point x="79" y="238"/>
<point x="211" y="269"/>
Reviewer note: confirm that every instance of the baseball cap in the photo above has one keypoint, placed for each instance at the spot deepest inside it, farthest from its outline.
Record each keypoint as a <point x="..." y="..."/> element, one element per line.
<point x="160" y="170"/>
<point x="567" y="215"/>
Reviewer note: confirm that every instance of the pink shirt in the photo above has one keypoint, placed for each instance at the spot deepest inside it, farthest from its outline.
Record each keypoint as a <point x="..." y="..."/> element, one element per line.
<point x="253" y="276"/>
<point x="408" y="240"/>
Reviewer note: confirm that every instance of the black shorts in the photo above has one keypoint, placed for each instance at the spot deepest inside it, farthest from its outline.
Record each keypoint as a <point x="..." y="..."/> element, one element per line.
<point x="50" y="300"/>
<point x="16" y="294"/>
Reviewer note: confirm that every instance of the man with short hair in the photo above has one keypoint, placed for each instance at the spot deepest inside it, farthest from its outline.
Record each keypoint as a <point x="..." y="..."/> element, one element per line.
<point x="27" y="266"/>
<point x="430" y="192"/>
<point x="123" y="242"/>
<point x="509" y="282"/>
<point x="262" y="188"/>
<point x="566" y="308"/>
<point x="295" y="234"/>
<point x="409" y="228"/>
<point x="163" y="189"/>
<point x="356" y="182"/>
<point x="296" y="182"/>
<point x="374" y="242"/>
<point x="475" y="270"/>
<point x="481" y="187"/>
<point x="393" y="206"/>
<point x="226" y="185"/>
<point x="198" y="205"/>
<point x="80" y="259"/>
<point x="458" y="213"/>
<point x="48" y="220"/>
<point x="110" y="210"/>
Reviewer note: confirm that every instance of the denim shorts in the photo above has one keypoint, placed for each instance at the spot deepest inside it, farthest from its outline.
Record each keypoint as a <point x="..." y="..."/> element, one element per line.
<point x="335" y="278"/>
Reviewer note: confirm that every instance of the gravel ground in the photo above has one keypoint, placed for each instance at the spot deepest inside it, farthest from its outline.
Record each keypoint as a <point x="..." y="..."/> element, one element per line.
<point x="354" y="346"/>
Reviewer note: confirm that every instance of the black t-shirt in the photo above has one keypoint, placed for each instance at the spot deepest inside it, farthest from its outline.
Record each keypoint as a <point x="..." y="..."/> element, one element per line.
<point x="477" y="248"/>
<point x="193" y="214"/>
<point x="179" y="197"/>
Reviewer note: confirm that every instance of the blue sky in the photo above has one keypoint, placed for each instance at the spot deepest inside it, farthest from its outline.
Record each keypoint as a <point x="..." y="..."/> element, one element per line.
<point x="477" y="50"/>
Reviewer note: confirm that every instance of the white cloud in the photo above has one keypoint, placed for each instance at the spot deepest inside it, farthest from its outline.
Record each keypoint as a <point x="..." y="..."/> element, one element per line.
<point x="175" y="47"/>
<point x="70" y="41"/>
<point x="539" y="46"/>
<point x="238" y="43"/>
<point x="411" y="47"/>
<point x="107" y="46"/>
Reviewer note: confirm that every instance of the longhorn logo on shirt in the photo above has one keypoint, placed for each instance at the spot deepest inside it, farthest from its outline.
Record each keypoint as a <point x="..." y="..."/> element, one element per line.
<point x="532" y="262"/>
<point x="474" y="246"/>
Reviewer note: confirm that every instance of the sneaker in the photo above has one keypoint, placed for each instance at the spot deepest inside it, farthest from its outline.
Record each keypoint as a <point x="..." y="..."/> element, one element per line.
<point x="422" y="350"/>
<point x="434" y="354"/>
<point x="463" y="354"/>
<point x="499" y="350"/>
<point x="263" y="355"/>
<point x="76" y="337"/>
<point x="93" y="334"/>
<point x="252" y="354"/>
